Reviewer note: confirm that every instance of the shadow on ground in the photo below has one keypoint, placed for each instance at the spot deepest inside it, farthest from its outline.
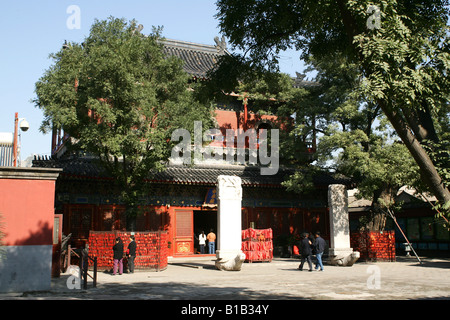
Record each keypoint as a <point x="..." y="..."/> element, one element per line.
<point x="155" y="291"/>
<point x="433" y="264"/>
<point x="197" y="265"/>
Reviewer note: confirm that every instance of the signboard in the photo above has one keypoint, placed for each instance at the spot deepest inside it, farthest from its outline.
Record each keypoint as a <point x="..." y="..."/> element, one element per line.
<point x="211" y="196"/>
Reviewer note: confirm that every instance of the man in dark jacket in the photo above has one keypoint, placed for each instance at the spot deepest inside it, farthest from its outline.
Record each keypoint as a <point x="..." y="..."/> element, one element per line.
<point x="319" y="245"/>
<point x="118" y="256"/>
<point x="131" y="254"/>
<point x="305" y="251"/>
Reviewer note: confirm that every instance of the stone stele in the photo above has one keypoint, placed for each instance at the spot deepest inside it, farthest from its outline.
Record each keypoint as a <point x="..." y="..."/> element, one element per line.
<point x="340" y="252"/>
<point x="229" y="202"/>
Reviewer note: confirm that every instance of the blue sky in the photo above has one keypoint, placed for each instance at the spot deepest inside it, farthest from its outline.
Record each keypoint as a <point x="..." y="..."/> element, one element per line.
<point x="31" y="30"/>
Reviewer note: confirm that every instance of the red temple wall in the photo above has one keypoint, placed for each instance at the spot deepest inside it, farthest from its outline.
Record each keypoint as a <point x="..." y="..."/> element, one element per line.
<point x="27" y="209"/>
<point x="27" y="199"/>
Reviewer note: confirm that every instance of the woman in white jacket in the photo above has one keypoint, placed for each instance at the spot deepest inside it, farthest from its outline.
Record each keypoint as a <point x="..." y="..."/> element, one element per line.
<point x="202" y="242"/>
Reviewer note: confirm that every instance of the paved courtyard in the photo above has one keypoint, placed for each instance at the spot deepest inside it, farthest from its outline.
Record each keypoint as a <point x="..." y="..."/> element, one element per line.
<point x="197" y="279"/>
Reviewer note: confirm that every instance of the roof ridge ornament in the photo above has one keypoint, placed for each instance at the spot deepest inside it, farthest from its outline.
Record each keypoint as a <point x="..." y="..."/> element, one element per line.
<point x="221" y="45"/>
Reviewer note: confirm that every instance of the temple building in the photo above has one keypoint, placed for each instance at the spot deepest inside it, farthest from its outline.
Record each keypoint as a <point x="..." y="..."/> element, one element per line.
<point x="182" y="199"/>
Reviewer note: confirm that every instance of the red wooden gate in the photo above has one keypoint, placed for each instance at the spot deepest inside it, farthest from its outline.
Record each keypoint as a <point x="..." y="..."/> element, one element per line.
<point x="184" y="232"/>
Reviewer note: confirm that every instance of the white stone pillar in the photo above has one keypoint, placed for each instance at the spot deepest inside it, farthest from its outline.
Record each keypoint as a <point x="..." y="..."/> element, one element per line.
<point x="229" y="202"/>
<point x="340" y="252"/>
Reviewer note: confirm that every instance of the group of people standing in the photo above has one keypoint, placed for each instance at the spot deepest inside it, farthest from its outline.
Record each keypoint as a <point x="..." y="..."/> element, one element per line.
<point x="211" y="238"/>
<point x="131" y="251"/>
<point x="310" y="247"/>
<point x="118" y="255"/>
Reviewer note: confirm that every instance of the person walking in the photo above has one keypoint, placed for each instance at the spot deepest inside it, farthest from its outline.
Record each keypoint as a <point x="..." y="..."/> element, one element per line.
<point x="118" y="256"/>
<point x="131" y="252"/>
<point x="211" y="237"/>
<point x="202" y="242"/>
<point x="319" y="245"/>
<point x="305" y="251"/>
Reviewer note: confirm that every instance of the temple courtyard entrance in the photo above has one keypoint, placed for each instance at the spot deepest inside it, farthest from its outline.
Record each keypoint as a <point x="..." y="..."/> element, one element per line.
<point x="198" y="279"/>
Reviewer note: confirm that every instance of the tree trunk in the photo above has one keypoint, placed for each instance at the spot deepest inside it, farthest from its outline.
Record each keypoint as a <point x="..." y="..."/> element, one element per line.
<point x="131" y="215"/>
<point x="427" y="169"/>
<point x="375" y="220"/>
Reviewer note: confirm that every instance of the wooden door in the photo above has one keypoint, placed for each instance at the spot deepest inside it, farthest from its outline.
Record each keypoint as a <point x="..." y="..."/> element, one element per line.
<point x="184" y="232"/>
<point x="57" y="239"/>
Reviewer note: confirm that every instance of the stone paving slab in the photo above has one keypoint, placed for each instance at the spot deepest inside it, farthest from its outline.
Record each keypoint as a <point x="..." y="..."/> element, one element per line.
<point x="196" y="279"/>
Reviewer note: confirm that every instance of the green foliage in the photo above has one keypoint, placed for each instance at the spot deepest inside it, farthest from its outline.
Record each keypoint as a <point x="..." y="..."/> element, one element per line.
<point x="400" y="67"/>
<point x="302" y="180"/>
<point x="383" y="164"/>
<point x="236" y="74"/>
<point x="120" y="99"/>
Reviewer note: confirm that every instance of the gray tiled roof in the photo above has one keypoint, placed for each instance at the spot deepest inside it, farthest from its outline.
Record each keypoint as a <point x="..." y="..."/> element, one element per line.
<point x="83" y="168"/>
<point x="198" y="58"/>
<point x="208" y="175"/>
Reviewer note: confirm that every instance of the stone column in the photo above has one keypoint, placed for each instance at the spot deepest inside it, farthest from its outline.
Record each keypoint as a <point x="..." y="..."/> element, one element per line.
<point x="340" y="252"/>
<point x="229" y="202"/>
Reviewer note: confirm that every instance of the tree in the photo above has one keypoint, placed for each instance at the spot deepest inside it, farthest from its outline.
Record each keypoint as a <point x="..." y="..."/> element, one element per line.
<point x="356" y="139"/>
<point x="120" y="98"/>
<point x="400" y="49"/>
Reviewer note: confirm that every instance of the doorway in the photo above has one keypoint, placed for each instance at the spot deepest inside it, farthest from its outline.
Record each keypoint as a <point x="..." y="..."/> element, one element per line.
<point x="204" y="220"/>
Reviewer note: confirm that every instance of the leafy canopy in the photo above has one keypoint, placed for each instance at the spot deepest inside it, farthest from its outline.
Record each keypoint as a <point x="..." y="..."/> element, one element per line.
<point x="119" y="98"/>
<point x="403" y="61"/>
